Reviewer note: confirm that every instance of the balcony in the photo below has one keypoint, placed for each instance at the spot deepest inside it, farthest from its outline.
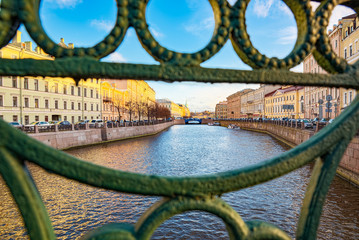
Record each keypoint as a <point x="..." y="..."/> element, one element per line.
<point x="107" y="99"/>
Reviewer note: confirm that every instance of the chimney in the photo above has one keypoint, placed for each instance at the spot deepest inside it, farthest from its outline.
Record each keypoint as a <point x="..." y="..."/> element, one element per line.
<point x="17" y="37"/>
<point x="37" y="49"/>
<point x="62" y="40"/>
<point x="28" y="46"/>
<point x="71" y="45"/>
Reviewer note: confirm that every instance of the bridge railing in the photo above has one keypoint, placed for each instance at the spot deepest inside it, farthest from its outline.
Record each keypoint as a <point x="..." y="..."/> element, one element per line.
<point x="180" y="194"/>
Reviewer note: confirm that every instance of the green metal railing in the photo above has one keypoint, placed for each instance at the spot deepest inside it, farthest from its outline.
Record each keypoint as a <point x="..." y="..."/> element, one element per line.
<point x="180" y="194"/>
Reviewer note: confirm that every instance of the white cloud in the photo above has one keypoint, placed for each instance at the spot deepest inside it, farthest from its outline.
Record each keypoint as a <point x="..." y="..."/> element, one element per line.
<point x="116" y="57"/>
<point x="65" y="3"/>
<point x="156" y="33"/>
<point x="103" y="25"/>
<point x="262" y="7"/>
<point x="287" y="35"/>
<point x="284" y="8"/>
<point x="197" y="27"/>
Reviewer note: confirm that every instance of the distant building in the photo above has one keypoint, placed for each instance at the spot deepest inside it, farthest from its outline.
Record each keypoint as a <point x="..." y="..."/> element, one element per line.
<point x="184" y="110"/>
<point x="175" y="109"/>
<point x="221" y="110"/>
<point x="234" y="103"/>
<point x="252" y="102"/>
<point x="204" y="114"/>
<point x="285" y="102"/>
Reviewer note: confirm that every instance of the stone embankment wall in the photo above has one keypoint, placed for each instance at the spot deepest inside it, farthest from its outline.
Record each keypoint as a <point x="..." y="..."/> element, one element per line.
<point x="206" y="121"/>
<point x="68" y="139"/>
<point x="179" y="122"/>
<point x="349" y="165"/>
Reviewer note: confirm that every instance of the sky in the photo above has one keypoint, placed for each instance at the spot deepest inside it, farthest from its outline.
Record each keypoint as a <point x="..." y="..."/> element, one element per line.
<point x="180" y="25"/>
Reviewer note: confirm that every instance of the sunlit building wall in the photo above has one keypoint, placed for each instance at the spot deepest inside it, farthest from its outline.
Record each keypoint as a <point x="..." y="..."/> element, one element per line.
<point x="29" y="99"/>
<point x="315" y="98"/>
<point x="221" y="110"/>
<point x="135" y="93"/>
<point x="234" y="104"/>
<point x="175" y="109"/>
<point x="284" y="103"/>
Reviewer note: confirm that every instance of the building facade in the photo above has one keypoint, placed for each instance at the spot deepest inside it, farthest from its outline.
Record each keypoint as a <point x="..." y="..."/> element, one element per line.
<point x="285" y="103"/>
<point x="234" y="104"/>
<point x="221" y="110"/>
<point x="316" y="98"/>
<point x="252" y="102"/>
<point x="29" y="99"/>
<point x="175" y="109"/>
<point x="128" y="97"/>
<point x="350" y="49"/>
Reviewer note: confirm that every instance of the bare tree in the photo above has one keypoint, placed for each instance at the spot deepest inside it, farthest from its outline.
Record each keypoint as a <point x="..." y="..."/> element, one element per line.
<point x="117" y="104"/>
<point x="131" y="108"/>
<point x="148" y="110"/>
<point x="140" y="109"/>
<point x="162" y="112"/>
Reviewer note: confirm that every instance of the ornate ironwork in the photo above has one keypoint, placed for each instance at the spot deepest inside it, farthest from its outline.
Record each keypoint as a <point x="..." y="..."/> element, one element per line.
<point x="180" y="194"/>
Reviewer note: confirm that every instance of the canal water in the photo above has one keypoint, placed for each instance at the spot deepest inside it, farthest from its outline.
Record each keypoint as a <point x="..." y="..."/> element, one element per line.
<point x="184" y="151"/>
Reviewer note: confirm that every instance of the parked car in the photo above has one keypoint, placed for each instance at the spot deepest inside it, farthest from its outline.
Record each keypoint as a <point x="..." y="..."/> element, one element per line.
<point x="315" y="120"/>
<point x="53" y="122"/>
<point x="82" y="122"/>
<point x="41" y="124"/>
<point x="16" y="125"/>
<point x="110" y="123"/>
<point x="323" y="121"/>
<point x="331" y="120"/>
<point x="94" y="121"/>
<point x="64" y="123"/>
<point x="307" y="123"/>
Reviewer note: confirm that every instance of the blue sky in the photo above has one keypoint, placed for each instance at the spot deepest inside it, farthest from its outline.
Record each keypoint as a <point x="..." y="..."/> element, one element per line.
<point x="180" y="25"/>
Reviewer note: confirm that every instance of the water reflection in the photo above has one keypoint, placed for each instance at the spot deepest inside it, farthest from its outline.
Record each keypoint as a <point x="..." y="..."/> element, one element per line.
<point x="181" y="151"/>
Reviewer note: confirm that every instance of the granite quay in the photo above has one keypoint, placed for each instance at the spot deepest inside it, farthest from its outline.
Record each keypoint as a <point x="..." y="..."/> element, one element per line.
<point x="88" y="135"/>
<point x="294" y="133"/>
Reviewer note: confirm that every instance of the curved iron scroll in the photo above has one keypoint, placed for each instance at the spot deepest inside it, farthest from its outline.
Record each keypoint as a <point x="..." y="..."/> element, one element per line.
<point x="180" y="193"/>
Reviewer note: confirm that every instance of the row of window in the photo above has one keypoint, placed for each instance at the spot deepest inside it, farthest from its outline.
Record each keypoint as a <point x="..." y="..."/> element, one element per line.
<point x="26" y="86"/>
<point x="279" y="109"/>
<point x="346" y="98"/>
<point x="280" y="99"/>
<point x="15" y="118"/>
<point x="315" y="97"/>
<point x="351" y="50"/>
<point x="46" y="104"/>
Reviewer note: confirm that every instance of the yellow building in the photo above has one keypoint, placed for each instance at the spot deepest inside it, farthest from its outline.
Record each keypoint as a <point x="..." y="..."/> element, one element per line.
<point x="175" y="109"/>
<point x="136" y="98"/>
<point x="184" y="110"/>
<point x="286" y="102"/>
<point x="113" y="102"/>
<point x="28" y="99"/>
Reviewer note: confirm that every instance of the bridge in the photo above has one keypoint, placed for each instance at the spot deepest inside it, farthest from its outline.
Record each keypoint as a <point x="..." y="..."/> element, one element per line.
<point x="193" y="121"/>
